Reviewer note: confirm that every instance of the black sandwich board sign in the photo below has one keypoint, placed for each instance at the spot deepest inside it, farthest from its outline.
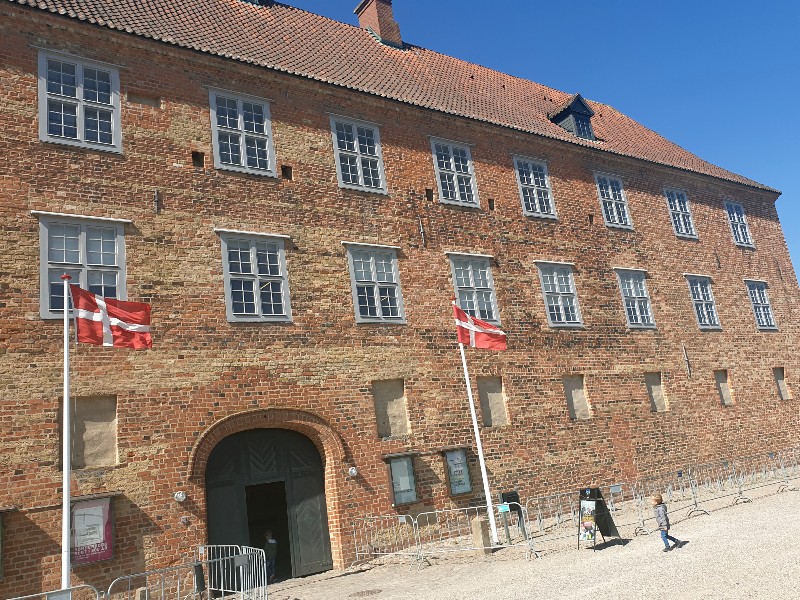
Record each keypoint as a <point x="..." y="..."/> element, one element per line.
<point x="594" y="517"/>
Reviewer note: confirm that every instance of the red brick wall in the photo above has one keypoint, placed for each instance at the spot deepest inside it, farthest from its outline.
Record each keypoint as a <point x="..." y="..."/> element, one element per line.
<point x="203" y="370"/>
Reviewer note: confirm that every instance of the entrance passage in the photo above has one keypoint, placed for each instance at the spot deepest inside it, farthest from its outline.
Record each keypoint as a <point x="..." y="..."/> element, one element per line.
<point x="273" y="479"/>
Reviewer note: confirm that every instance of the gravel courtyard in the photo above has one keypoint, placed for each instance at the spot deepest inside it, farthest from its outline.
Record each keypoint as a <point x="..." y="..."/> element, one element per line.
<point x="744" y="551"/>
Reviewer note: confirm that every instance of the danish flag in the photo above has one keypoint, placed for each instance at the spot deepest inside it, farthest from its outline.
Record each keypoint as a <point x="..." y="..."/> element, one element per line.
<point x="108" y="322"/>
<point x="476" y="333"/>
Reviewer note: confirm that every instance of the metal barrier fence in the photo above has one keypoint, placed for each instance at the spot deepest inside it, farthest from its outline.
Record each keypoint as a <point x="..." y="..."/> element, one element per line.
<point x="219" y="571"/>
<point x="439" y="532"/>
<point x="79" y="592"/>
<point x="236" y="569"/>
<point x="550" y="521"/>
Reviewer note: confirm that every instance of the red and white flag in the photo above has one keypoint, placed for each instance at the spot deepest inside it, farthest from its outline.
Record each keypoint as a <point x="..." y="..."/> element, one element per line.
<point x="108" y="322"/>
<point x="476" y="333"/>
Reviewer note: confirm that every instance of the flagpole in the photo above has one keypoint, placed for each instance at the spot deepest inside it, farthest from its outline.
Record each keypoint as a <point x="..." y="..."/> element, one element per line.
<point x="484" y="476"/>
<point x="66" y="438"/>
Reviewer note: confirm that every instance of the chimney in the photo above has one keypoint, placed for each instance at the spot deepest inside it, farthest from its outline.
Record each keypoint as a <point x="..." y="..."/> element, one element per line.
<point x="377" y="16"/>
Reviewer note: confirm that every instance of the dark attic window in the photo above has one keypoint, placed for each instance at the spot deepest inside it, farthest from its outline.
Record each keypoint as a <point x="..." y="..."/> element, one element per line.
<point x="575" y="116"/>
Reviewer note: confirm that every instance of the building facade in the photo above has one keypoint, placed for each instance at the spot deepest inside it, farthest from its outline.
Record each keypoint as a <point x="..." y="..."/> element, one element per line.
<point x="299" y="200"/>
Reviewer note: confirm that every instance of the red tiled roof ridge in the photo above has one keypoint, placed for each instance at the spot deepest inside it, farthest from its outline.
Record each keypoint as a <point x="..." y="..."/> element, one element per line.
<point x="414" y="77"/>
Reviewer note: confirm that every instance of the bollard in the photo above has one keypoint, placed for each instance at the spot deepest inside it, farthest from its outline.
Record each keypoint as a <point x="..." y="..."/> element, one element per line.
<point x="480" y="536"/>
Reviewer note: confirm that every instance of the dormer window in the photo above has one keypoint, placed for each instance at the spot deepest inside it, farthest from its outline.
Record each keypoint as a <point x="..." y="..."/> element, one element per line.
<point x="575" y="116"/>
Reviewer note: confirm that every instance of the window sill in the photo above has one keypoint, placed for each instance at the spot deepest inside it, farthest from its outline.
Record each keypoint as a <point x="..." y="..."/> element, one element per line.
<point x="474" y="205"/>
<point x="641" y="327"/>
<point x="545" y="217"/>
<point x="366" y="190"/>
<point x="774" y="328"/>
<point x="259" y="320"/>
<point x="244" y="171"/>
<point x="567" y="326"/>
<point x="361" y="321"/>
<point x="83" y="145"/>
<point x="616" y="226"/>
<point x="745" y="246"/>
<point x="710" y="328"/>
<point x="686" y="236"/>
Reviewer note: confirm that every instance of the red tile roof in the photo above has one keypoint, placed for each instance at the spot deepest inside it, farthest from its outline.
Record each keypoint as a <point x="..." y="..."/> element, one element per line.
<point x="288" y="39"/>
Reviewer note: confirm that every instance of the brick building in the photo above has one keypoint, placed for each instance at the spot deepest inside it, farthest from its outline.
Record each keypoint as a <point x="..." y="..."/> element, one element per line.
<point x="299" y="199"/>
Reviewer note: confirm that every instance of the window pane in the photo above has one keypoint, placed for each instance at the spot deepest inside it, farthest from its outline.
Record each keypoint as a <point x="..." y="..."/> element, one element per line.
<point x="362" y="266"/>
<point x="103" y="283"/>
<point x="403" y="484"/>
<point x="61" y="78"/>
<point x="56" y="286"/>
<point x="460" y="160"/>
<point x="62" y="119"/>
<point x="243" y="296"/>
<point x="389" y="305"/>
<point x="272" y="298"/>
<point x="448" y="186"/>
<point x="101" y="245"/>
<point x="63" y="243"/>
<point x="485" y="308"/>
<point x="96" y="86"/>
<point x="366" y="301"/>
<point x="349" y="166"/>
<point x="366" y="141"/>
<point x="227" y="113"/>
<point x="462" y="273"/>
<point x="465" y="189"/>
<point x="256" y="149"/>
<point x="344" y="137"/>
<point x="267" y="258"/>
<point x="384" y="268"/>
<point x="443" y="157"/>
<point x="97" y="126"/>
<point x="239" y="257"/>
<point x="230" y="151"/>
<point x="254" y="118"/>
<point x="466" y="300"/>
<point x="372" y="176"/>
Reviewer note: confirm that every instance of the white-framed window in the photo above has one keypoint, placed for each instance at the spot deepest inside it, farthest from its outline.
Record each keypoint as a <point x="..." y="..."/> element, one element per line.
<point x="705" y="308"/>
<point x="680" y="213"/>
<point x="90" y="249"/>
<point x="613" y="201"/>
<point x="560" y="297"/>
<point x="255" y="276"/>
<point x="474" y="286"/>
<point x="404" y="484"/>
<point x="375" y="284"/>
<point x="455" y="174"/>
<point x="241" y="133"/>
<point x="79" y="103"/>
<point x="757" y="290"/>
<point x="359" y="160"/>
<point x="635" y="298"/>
<point x="534" y="188"/>
<point x="738" y="223"/>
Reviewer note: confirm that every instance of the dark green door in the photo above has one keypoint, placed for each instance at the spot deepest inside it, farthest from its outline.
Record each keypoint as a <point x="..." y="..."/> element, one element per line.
<point x="260" y="456"/>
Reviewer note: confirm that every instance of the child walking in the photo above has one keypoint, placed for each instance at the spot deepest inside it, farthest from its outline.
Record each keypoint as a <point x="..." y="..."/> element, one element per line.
<point x="660" y="510"/>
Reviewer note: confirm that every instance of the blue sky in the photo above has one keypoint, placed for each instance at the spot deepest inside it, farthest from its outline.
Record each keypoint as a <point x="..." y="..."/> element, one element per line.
<point x="721" y="79"/>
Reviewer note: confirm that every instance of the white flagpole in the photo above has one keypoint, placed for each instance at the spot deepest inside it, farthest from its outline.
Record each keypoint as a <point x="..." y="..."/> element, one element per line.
<point x="485" y="477"/>
<point x="66" y="460"/>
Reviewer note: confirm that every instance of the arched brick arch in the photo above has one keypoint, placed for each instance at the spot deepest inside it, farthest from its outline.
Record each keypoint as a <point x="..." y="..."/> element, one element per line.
<point x="328" y="442"/>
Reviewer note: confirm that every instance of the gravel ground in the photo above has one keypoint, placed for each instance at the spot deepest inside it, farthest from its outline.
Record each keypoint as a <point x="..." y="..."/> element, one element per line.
<point x="743" y="551"/>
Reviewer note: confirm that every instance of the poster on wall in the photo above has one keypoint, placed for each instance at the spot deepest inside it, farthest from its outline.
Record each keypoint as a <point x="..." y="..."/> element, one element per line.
<point x="458" y="472"/>
<point x="588" y="522"/>
<point x="92" y="533"/>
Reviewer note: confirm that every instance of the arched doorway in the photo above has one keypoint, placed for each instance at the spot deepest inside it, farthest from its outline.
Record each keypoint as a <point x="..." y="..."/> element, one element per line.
<point x="263" y="479"/>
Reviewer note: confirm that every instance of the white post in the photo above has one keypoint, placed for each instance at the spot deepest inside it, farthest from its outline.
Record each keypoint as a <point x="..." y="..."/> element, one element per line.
<point x="486" y="491"/>
<point x="66" y="440"/>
